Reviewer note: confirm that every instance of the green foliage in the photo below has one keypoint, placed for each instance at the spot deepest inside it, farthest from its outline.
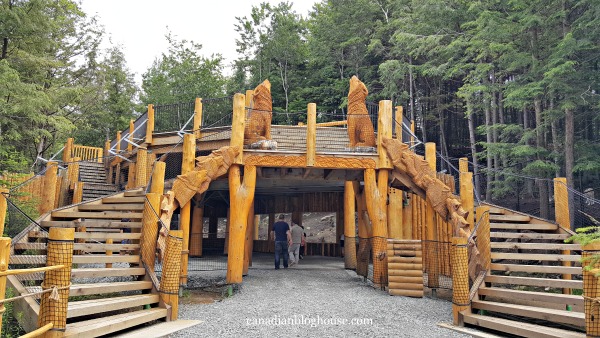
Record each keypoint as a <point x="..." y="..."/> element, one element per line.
<point x="10" y="325"/>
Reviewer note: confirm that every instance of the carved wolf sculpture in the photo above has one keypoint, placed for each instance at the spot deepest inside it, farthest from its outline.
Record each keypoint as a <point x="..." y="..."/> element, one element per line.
<point x="258" y="124"/>
<point x="360" y="128"/>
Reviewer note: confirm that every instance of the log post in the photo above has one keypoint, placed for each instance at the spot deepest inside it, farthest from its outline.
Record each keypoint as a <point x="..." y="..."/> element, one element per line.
<point x="196" y="231"/>
<point x="384" y="130"/>
<point x="563" y="217"/>
<point x="169" y="283"/>
<point x="237" y="125"/>
<point x="150" y="229"/>
<point x="140" y="168"/>
<point x="365" y="232"/>
<point x="106" y="159"/>
<point x="483" y="236"/>
<point x="3" y="208"/>
<point x="459" y="260"/>
<point x="150" y="124"/>
<point x="311" y="134"/>
<point x="241" y="196"/>
<point x="59" y="252"/>
<point x="398" y="122"/>
<point x="78" y="192"/>
<point x="249" y="240"/>
<point x="68" y="151"/>
<point x="463" y="165"/>
<point x="49" y="189"/>
<point x="376" y="198"/>
<point x="131" y="175"/>
<point x="4" y="260"/>
<point x="198" y="117"/>
<point x="187" y="165"/>
<point x="349" y="226"/>
<point x="467" y="198"/>
<point x="432" y="233"/>
<point x="158" y="178"/>
<point x="130" y="143"/>
<point x="395" y="218"/>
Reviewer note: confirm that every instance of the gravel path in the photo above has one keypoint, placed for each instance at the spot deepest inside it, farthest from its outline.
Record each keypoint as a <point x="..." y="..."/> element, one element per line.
<point x="318" y="298"/>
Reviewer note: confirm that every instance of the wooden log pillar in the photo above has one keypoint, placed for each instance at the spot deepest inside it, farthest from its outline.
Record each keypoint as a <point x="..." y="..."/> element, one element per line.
<point x="158" y="178"/>
<point x="196" y="231"/>
<point x="459" y="260"/>
<point x="141" y="168"/>
<point x="398" y="122"/>
<point x="131" y="175"/>
<point x="249" y="240"/>
<point x="563" y="216"/>
<point x="384" y="130"/>
<point x="467" y="197"/>
<point x="3" y="208"/>
<point x="130" y="143"/>
<point x="376" y="199"/>
<point x="365" y="232"/>
<point x="59" y="252"/>
<point x="78" y="192"/>
<point x="463" y="165"/>
<point x="198" y="117"/>
<point x="349" y="226"/>
<point x="106" y="161"/>
<point x="433" y="253"/>
<point x="311" y="134"/>
<point x="237" y="125"/>
<point x="591" y="289"/>
<point x="256" y="228"/>
<point x="170" y="279"/>
<point x="241" y="196"/>
<point x="49" y="188"/>
<point x="483" y="236"/>
<point x="150" y="124"/>
<point x="395" y="218"/>
<point x="187" y="165"/>
<point x="68" y="151"/>
<point x="4" y="260"/>
<point x="150" y="229"/>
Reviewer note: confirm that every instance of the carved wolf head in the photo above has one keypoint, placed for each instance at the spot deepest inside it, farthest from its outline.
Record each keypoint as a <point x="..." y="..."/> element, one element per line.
<point x="357" y="85"/>
<point x="261" y="98"/>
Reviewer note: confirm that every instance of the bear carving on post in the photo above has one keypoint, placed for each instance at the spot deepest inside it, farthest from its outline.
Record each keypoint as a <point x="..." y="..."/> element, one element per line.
<point x="360" y="128"/>
<point x="257" y="132"/>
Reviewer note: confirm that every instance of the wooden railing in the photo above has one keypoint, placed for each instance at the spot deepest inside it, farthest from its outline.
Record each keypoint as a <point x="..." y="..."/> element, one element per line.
<point x="86" y="153"/>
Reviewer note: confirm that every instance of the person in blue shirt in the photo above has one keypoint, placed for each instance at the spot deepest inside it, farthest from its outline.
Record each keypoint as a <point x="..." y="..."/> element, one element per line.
<point x="281" y="233"/>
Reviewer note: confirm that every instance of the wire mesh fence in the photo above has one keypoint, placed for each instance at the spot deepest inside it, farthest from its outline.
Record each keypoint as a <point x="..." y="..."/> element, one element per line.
<point x="436" y="264"/>
<point x="217" y="112"/>
<point x="584" y="209"/>
<point x="172" y="117"/>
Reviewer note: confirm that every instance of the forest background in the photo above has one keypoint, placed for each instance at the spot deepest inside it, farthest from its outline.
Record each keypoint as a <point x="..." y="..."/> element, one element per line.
<point x="513" y="85"/>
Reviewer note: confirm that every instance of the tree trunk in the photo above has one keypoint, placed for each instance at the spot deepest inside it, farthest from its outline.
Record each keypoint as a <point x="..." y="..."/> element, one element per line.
<point x="472" y="142"/>
<point x="539" y="133"/>
<point x="410" y="90"/>
<point x="569" y="146"/>
<point x="489" y="140"/>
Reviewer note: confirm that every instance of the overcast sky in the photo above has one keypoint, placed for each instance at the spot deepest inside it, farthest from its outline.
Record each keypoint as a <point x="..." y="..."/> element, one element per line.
<point x="140" y="26"/>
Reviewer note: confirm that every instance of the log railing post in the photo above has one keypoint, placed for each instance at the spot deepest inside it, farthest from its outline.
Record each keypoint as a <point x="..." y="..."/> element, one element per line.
<point x="131" y="175"/>
<point x="78" y="192"/>
<point x="49" y="189"/>
<point x="158" y="178"/>
<point x="349" y="226"/>
<point x="140" y="168"/>
<point x="311" y="134"/>
<point x="237" y="125"/>
<point x="563" y="217"/>
<point x="384" y="130"/>
<point x="394" y="210"/>
<point x="187" y="165"/>
<point x="463" y="165"/>
<point x="130" y="143"/>
<point x="4" y="260"/>
<point x="467" y="199"/>
<point x="431" y="234"/>
<point x="169" y="283"/>
<point x="483" y="236"/>
<point x="241" y="196"/>
<point x="59" y="252"/>
<point x="376" y="198"/>
<point x="3" y="208"/>
<point x="149" y="229"/>
<point x="591" y="290"/>
<point x="198" y="117"/>
<point x="150" y="124"/>
<point x="459" y="259"/>
<point x="398" y="122"/>
<point x="68" y="151"/>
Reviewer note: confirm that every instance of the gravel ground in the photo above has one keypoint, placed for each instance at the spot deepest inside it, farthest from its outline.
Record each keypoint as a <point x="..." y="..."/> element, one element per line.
<point x="317" y="298"/>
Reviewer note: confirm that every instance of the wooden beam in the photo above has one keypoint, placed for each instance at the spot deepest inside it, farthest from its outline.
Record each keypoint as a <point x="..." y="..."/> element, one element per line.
<point x="158" y="178"/>
<point x="311" y="134"/>
<point x="197" y="117"/>
<point x="141" y="168"/>
<point x="398" y="122"/>
<point x="187" y="165"/>
<point x="467" y="200"/>
<point x="394" y="210"/>
<point x="563" y="217"/>
<point x="149" y="124"/>
<point x="3" y="208"/>
<point x="238" y="124"/>
<point x="376" y="198"/>
<point x="384" y="130"/>
<point x="49" y="190"/>
<point x="349" y="226"/>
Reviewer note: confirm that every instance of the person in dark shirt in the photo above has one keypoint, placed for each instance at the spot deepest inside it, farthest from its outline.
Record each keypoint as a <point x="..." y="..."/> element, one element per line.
<point x="281" y="233"/>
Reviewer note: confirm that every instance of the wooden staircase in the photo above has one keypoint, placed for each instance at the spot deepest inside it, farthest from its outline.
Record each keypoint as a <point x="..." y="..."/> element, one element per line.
<point x="531" y="266"/>
<point x="110" y="289"/>
<point x="93" y="175"/>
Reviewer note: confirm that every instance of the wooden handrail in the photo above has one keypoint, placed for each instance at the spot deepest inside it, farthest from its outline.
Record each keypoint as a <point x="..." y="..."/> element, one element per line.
<point x="332" y="123"/>
<point x="38" y="332"/>
<point x="87" y="153"/>
<point x="28" y="271"/>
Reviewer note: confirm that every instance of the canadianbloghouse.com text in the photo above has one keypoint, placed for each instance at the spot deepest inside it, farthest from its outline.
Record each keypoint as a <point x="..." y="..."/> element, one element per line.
<point x="309" y="321"/>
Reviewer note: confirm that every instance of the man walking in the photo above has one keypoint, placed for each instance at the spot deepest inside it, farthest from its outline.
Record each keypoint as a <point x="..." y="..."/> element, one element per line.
<point x="281" y="233"/>
<point x="296" y="233"/>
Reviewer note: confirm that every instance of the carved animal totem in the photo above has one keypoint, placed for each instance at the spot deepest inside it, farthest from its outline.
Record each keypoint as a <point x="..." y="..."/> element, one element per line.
<point x="257" y="133"/>
<point x="360" y="127"/>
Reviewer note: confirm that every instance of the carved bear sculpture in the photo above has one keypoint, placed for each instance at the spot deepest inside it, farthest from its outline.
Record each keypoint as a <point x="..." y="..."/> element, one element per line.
<point x="360" y="128"/>
<point x="257" y="133"/>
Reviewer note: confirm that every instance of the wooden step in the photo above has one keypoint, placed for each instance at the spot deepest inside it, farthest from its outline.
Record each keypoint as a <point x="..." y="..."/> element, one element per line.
<point x="89" y="307"/>
<point x="547" y="297"/>
<point x="524" y="226"/>
<point x="496" y="211"/>
<point x="134" y="193"/>
<point x="107" y="272"/>
<point x="111" y="207"/>
<point x="111" y="324"/>
<point x="519" y="328"/>
<point x="530" y="281"/>
<point x="574" y="270"/>
<point x="524" y="235"/>
<point x="160" y="330"/>
<point x="536" y="257"/>
<point x="97" y="214"/>
<point x="551" y="315"/>
<point x="535" y="246"/>
<point x="77" y="259"/>
<point x="109" y="224"/>
<point x="112" y="287"/>
<point x="110" y="200"/>
<point x="509" y="218"/>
